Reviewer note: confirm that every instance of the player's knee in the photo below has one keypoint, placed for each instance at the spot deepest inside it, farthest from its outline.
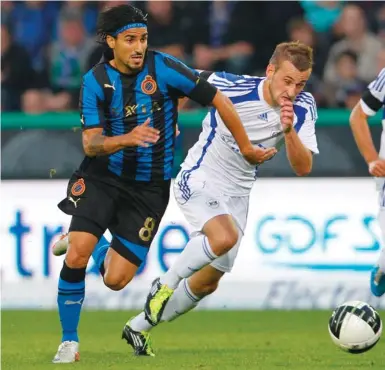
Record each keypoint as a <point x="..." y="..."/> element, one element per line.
<point x="116" y="281"/>
<point x="77" y="255"/>
<point x="223" y="241"/>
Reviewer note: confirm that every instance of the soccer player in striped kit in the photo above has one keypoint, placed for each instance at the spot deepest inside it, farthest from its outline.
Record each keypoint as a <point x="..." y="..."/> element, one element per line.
<point x="129" y="113"/>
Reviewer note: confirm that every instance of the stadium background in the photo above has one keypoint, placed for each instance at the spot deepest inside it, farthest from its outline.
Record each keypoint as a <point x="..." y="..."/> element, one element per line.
<point x="310" y="242"/>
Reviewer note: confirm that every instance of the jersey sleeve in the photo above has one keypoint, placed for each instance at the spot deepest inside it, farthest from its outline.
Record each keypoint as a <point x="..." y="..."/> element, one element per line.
<point x="373" y="97"/>
<point x="91" y="103"/>
<point x="306" y="133"/>
<point x="184" y="81"/>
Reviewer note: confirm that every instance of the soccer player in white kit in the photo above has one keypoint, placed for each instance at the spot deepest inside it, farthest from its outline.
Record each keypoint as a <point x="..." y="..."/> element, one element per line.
<point x="372" y="100"/>
<point x="213" y="187"/>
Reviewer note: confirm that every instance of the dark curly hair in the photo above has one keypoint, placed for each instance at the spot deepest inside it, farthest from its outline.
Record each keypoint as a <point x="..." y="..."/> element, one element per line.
<point x="112" y="19"/>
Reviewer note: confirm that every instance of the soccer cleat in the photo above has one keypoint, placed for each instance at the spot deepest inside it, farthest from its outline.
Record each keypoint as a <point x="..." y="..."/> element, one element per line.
<point x="377" y="282"/>
<point x="61" y="246"/>
<point x="140" y="341"/>
<point x="156" y="301"/>
<point x="67" y="352"/>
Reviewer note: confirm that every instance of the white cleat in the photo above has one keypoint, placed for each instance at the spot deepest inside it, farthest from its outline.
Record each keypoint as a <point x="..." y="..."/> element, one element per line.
<point x="67" y="352"/>
<point x="61" y="246"/>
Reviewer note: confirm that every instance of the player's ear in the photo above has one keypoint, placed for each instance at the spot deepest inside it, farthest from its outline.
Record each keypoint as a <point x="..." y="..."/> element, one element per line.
<point x="110" y="41"/>
<point x="270" y="69"/>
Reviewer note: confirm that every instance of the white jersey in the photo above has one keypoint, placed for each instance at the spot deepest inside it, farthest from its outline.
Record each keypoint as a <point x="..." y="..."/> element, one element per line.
<point x="373" y="100"/>
<point x="216" y="155"/>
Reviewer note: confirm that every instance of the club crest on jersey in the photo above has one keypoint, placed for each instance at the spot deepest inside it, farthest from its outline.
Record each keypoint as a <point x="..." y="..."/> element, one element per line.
<point x="149" y="85"/>
<point x="213" y="203"/>
<point x="78" y="188"/>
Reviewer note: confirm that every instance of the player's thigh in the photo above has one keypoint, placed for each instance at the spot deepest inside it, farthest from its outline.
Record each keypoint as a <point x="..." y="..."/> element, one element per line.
<point x="137" y="220"/>
<point x="205" y="281"/>
<point x="207" y="212"/>
<point x="91" y="206"/>
<point x="238" y="206"/>
<point x="90" y="200"/>
<point x="80" y="247"/>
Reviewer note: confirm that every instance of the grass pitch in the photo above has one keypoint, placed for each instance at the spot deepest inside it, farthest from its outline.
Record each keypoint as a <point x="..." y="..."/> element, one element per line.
<point x="204" y="340"/>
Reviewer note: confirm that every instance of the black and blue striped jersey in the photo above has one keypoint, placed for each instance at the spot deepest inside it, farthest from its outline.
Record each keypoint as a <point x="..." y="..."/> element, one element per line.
<point x="118" y="102"/>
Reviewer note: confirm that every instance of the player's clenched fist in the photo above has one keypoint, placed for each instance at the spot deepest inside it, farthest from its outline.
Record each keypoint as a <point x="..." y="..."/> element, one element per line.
<point x="377" y="168"/>
<point x="142" y="135"/>
<point x="287" y="114"/>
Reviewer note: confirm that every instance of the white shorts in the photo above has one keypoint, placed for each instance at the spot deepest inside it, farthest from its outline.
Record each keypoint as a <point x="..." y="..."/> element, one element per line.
<point x="200" y="202"/>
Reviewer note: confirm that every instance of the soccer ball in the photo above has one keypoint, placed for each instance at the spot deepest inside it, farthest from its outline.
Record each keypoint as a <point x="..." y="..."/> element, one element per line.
<point x="355" y="327"/>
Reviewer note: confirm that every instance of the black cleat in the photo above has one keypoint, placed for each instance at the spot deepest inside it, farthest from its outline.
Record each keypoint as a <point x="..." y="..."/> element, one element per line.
<point x="140" y="341"/>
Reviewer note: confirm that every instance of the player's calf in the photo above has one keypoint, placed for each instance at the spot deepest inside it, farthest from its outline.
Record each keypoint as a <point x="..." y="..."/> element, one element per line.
<point x="205" y="282"/>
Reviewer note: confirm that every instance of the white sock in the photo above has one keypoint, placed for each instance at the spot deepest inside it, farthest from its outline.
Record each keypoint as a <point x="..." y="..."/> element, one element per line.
<point x="195" y="255"/>
<point x="139" y="323"/>
<point x="182" y="301"/>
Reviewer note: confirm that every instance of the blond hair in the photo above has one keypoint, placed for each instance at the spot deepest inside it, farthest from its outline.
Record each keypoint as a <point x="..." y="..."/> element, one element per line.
<point x="297" y="53"/>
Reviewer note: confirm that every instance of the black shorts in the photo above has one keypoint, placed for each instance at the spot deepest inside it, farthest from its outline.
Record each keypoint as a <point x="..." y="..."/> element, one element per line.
<point x="131" y="211"/>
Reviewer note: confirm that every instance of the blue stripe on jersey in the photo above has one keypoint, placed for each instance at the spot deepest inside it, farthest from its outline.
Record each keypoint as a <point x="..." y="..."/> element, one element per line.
<point x="251" y="96"/>
<point x="232" y="77"/>
<point x="91" y="92"/>
<point x="382" y="83"/>
<point x="225" y="85"/>
<point x="300" y="112"/>
<point x="308" y="100"/>
<point x="168" y="138"/>
<point x="115" y="160"/>
<point x="186" y="192"/>
<point x="144" y="155"/>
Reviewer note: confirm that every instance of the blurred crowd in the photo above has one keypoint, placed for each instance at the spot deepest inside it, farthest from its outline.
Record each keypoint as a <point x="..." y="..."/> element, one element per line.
<point x="46" y="46"/>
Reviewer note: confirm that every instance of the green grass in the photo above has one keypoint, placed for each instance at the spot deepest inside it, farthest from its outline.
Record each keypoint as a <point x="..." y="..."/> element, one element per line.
<point x="201" y="340"/>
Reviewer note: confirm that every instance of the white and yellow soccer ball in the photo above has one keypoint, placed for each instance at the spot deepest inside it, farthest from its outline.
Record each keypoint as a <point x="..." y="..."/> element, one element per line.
<point x="355" y="327"/>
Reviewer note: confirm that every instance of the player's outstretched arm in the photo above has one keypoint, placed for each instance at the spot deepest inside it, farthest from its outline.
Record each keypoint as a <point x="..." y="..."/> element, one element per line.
<point x="96" y="144"/>
<point x="234" y="124"/>
<point x="190" y="84"/>
<point x="362" y="136"/>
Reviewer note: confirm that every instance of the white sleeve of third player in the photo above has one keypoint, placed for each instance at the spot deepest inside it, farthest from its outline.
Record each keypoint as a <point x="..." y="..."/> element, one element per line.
<point x="230" y="84"/>
<point x="374" y="97"/>
<point x="307" y="132"/>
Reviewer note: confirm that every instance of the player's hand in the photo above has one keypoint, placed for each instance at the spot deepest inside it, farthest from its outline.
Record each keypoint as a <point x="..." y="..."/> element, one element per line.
<point x="258" y="155"/>
<point x="377" y="168"/>
<point x="286" y="114"/>
<point x="142" y="135"/>
<point x="177" y="132"/>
